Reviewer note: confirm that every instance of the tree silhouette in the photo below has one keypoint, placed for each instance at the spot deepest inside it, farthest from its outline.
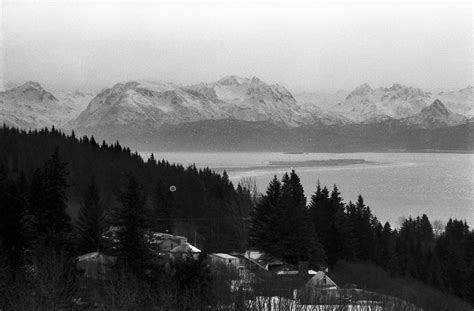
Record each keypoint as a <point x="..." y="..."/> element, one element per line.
<point x="90" y="224"/>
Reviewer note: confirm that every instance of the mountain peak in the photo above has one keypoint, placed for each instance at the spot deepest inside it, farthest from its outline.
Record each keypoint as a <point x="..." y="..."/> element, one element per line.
<point x="361" y="90"/>
<point x="435" y="115"/>
<point x="232" y="80"/>
<point x="32" y="88"/>
<point x="437" y="106"/>
<point x="31" y="84"/>
<point x="397" y="86"/>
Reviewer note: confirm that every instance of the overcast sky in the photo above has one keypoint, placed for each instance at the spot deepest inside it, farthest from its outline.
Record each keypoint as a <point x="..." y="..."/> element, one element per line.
<point x="305" y="46"/>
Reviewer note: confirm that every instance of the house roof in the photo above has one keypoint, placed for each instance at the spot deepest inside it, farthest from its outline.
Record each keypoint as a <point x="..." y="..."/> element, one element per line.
<point x="88" y="256"/>
<point x="185" y="248"/>
<point x="321" y="279"/>
<point x="158" y="238"/>
<point x="94" y="256"/>
<point x="272" y="264"/>
<point x="225" y="256"/>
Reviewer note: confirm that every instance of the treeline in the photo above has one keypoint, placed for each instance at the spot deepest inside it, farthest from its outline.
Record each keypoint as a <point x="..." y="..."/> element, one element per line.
<point x="325" y="231"/>
<point x="205" y="205"/>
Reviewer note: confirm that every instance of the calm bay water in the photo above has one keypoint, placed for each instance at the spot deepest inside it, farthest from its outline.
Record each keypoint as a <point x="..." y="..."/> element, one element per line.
<point x="440" y="185"/>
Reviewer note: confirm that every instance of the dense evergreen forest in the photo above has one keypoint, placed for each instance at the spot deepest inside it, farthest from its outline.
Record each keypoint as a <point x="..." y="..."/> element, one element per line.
<point x="205" y="205"/>
<point x="59" y="193"/>
<point x="326" y="231"/>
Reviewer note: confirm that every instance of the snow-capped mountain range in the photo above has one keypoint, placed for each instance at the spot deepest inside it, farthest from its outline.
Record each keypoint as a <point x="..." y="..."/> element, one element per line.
<point x="367" y="105"/>
<point x="145" y="106"/>
<point x="152" y="104"/>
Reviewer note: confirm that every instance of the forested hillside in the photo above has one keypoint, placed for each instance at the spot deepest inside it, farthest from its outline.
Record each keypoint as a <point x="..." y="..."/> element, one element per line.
<point x="205" y="204"/>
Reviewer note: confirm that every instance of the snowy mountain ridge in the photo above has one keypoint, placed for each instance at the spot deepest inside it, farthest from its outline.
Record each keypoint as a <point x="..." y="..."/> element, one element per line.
<point x="148" y="105"/>
<point x="435" y="116"/>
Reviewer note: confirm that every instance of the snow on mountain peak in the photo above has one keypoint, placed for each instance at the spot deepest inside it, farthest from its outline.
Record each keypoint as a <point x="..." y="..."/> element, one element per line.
<point x="434" y="116"/>
<point x="361" y="90"/>
<point x="32" y="84"/>
<point x="33" y="90"/>
<point x="398" y="101"/>
<point x="31" y="106"/>
<point x="233" y="80"/>
<point x="461" y="101"/>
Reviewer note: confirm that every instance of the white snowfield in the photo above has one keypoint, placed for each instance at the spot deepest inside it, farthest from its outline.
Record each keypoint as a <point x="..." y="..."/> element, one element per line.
<point x="149" y="104"/>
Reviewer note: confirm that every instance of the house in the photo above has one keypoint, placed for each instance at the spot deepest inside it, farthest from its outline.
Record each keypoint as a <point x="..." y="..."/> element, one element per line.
<point x="320" y="288"/>
<point x="185" y="250"/>
<point x="165" y="242"/>
<point x="159" y="242"/>
<point x="254" y="259"/>
<point x="95" y="265"/>
<point x="225" y="259"/>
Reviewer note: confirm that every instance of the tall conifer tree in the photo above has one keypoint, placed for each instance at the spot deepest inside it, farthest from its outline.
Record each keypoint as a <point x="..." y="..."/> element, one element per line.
<point x="264" y="230"/>
<point x="48" y="203"/>
<point x="13" y="229"/>
<point x="90" y="224"/>
<point x="132" y="248"/>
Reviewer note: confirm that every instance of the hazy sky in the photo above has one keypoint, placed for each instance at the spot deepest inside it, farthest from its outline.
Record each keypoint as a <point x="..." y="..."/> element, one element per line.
<point x="304" y="46"/>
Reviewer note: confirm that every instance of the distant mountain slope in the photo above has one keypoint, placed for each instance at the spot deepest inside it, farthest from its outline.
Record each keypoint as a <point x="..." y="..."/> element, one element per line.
<point x="235" y="113"/>
<point x="461" y="101"/>
<point x="131" y="109"/>
<point x="31" y="106"/>
<point x="324" y="100"/>
<point x="366" y="105"/>
<point x="435" y="115"/>
<point x="254" y="100"/>
<point x="77" y="100"/>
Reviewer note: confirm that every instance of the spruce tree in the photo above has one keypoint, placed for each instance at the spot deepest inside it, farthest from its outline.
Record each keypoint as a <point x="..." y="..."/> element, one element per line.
<point x="132" y="248"/>
<point x="13" y="238"/>
<point x="293" y="225"/>
<point x="341" y="243"/>
<point x="362" y="224"/>
<point x="48" y="203"/>
<point x="90" y="224"/>
<point x="265" y="219"/>
<point x="162" y="213"/>
<point x="320" y="214"/>
<point x="387" y="253"/>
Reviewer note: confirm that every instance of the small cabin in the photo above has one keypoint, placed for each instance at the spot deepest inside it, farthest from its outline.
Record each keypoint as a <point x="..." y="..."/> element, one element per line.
<point x="165" y="242"/>
<point x="226" y="259"/>
<point x="95" y="265"/>
<point x="185" y="250"/>
<point x="320" y="288"/>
